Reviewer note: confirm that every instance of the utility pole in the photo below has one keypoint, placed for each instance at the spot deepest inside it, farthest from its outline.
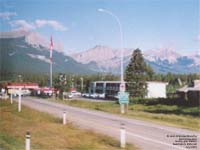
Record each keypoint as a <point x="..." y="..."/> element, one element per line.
<point x="122" y="87"/>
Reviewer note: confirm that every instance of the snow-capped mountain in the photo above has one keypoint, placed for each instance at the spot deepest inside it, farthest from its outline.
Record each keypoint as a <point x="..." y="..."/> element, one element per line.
<point x="32" y="38"/>
<point x="24" y="53"/>
<point x="107" y="59"/>
<point x="101" y="58"/>
<point x="162" y="54"/>
<point x="22" y="49"/>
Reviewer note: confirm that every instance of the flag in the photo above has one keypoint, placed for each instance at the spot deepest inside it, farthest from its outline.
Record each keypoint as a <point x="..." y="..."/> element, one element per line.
<point x="51" y="48"/>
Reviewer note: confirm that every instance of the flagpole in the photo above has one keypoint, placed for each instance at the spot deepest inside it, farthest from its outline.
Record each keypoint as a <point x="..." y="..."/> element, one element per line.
<point x="51" y="49"/>
<point x="51" y="74"/>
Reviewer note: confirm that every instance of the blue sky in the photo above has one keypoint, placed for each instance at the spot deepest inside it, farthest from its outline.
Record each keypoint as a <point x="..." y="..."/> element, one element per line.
<point x="147" y="24"/>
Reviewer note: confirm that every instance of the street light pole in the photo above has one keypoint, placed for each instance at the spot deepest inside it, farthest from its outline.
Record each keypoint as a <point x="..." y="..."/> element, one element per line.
<point x="122" y="83"/>
<point x="121" y="42"/>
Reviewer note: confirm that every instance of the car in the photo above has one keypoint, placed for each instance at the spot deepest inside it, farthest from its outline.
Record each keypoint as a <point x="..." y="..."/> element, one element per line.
<point x="85" y="95"/>
<point x="70" y="95"/>
<point x="94" y="95"/>
<point x="75" y="93"/>
<point x="67" y="95"/>
<point x="101" y="95"/>
<point x="26" y="92"/>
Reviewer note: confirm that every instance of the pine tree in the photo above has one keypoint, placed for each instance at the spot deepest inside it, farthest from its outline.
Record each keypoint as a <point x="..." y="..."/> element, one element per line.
<point x="136" y="75"/>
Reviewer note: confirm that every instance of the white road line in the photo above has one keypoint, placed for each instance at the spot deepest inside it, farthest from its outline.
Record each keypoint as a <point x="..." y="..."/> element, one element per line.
<point x="155" y="141"/>
<point x="130" y="133"/>
<point x="91" y="122"/>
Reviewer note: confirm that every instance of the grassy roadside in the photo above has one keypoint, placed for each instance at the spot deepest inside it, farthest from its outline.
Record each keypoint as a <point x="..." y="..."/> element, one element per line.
<point x="182" y="117"/>
<point x="47" y="132"/>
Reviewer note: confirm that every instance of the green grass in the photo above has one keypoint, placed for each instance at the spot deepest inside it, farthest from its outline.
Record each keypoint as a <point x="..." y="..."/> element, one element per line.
<point x="178" y="116"/>
<point x="47" y="132"/>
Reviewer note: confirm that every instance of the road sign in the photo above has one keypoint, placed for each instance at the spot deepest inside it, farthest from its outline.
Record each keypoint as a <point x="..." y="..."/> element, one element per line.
<point x="13" y="91"/>
<point x="23" y="85"/>
<point x="122" y="87"/>
<point x="123" y="97"/>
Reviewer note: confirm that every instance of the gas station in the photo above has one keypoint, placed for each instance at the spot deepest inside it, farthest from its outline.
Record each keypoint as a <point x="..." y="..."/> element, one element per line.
<point x="18" y="89"/>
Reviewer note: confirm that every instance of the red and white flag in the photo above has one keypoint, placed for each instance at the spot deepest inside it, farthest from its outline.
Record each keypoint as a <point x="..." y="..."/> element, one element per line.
<point x="51" y="48"/>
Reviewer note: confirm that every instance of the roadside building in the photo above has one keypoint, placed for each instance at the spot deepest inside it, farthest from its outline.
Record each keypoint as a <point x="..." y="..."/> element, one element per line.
<point x="22" y="85"/>
<point x="156" y="89"/>
<point x="190" y="92"/>
<point x="111" y="89"/>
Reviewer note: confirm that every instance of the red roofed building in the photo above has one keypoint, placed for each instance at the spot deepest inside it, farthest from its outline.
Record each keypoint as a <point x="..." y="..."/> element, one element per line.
<point x="22" y="86"/>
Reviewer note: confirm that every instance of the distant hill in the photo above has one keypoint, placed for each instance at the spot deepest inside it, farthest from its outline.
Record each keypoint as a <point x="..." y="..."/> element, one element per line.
<point x="106" y="59"/>
<point x="25" y="51"/>
<point x="101" y="58"/>
<point x="18" y="54"/>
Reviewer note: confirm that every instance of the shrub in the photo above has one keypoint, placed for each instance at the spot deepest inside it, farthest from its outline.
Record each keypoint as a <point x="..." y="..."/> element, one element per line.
<point x="165" y="101"/>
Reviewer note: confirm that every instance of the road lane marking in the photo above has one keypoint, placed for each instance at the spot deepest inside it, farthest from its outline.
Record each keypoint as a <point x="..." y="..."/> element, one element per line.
<point x="91" y="123"/>
<point x="118" y="118"/>
<point x="103" y="126"/>
<point x="131" y="134"/>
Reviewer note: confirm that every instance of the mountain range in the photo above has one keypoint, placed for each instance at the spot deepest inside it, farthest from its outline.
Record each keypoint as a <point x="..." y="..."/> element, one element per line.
<point x="107" y="59"/>
<point x="22" y="53"/>
<point x="25" y="51"/>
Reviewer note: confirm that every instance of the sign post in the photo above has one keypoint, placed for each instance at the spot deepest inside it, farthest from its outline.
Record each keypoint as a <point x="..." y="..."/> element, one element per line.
<point x="11" y="98"/>
<point x="122" y="87"/>
<point x="19" y="99"/>
<point x="122" y="108"/>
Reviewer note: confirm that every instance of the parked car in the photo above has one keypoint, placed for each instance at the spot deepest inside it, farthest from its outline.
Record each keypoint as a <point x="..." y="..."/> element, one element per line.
<point x="75" y="93"/>
<point x="94" y="95"/>
<point x="26" y="92"/>
<point x="101" y="95"/>
<point x="67" y="95"/>
<point x="70" y="95"/>
<point x="85" y="95"/>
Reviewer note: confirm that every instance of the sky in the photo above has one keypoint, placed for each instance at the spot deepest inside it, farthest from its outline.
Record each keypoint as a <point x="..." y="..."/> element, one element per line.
<point x="78" y="25"/>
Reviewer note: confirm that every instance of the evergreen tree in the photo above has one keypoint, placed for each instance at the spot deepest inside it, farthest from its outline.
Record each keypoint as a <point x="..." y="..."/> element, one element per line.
<point x="136" y="75"/>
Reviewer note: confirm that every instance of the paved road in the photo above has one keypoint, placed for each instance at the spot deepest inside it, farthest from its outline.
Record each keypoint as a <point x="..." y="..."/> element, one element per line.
<point x="145" y="135"/>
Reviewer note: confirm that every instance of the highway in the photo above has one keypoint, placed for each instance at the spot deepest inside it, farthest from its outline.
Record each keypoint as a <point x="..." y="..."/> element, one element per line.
<point x="143" y="134"/>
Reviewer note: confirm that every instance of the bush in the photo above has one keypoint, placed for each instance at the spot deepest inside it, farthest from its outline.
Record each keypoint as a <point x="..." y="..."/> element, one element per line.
<point x="143" y="101"/>
<point x="165" y="101"/>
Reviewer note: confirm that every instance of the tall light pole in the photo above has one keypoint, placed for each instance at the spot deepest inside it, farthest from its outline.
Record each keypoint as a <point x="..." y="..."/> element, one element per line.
<point x="122" y="83"/>
<point x="121" y="40"/>
<point x="121" y="43"/>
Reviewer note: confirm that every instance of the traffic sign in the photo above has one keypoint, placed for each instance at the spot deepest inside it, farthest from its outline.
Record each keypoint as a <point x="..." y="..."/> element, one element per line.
<point x="12" y="91"/>
<point x="123" y="97"/>
<point x="122" y="87"/>
<point x="23" y="85"/>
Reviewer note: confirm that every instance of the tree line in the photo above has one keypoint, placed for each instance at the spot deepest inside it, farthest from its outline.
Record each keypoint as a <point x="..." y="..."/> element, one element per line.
<point x="136" y="74"/>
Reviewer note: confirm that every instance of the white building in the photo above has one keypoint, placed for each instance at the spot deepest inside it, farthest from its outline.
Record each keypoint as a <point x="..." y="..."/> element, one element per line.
<point x="111" y="88"/>
<point x="156" y="89"/>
